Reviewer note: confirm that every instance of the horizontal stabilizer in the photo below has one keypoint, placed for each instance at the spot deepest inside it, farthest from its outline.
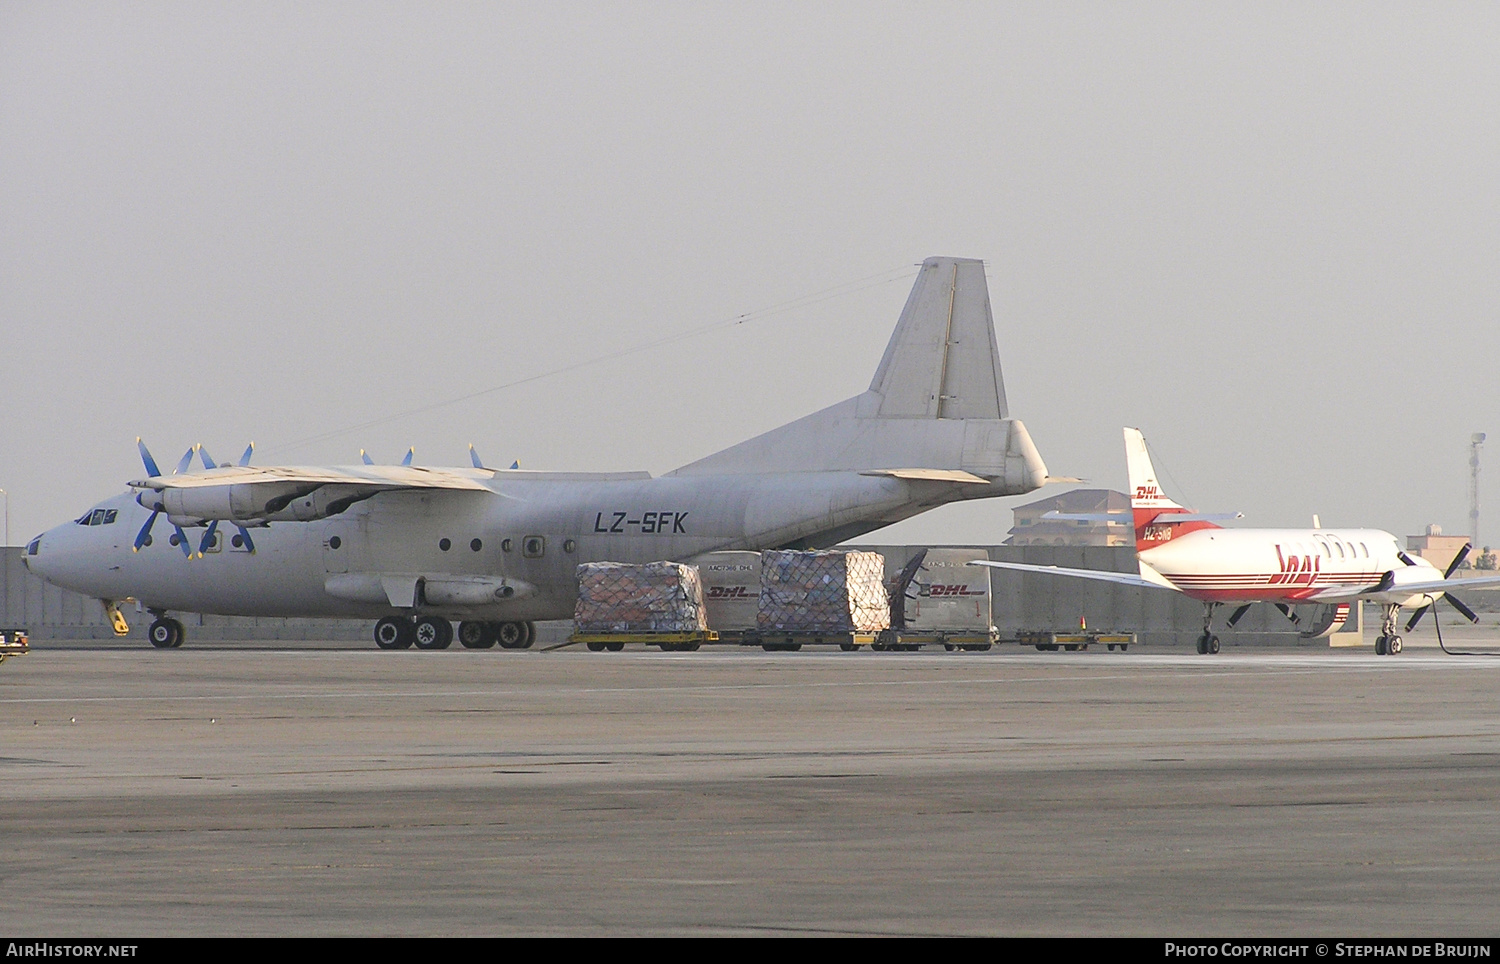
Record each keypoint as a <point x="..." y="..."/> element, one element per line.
<point x="1121" y="516"/>
<point x="929" y="475"/>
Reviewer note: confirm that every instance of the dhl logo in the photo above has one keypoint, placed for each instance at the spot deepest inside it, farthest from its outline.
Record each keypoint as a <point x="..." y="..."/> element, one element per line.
<point x="1145" y="493"/>
<point x="937" y="590"/>
<point x="1296" y="570"/>
<point x="731" y="592"/>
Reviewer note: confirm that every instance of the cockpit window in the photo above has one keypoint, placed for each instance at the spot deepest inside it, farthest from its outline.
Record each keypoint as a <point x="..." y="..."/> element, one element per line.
<point x="34" y="547"/>
<point x="98" y="517"/>
<point x="83" y="520"/>
<point x="110" y="516"/>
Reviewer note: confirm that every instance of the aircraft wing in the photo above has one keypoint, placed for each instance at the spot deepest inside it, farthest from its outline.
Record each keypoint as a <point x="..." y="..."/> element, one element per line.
<point x="367" y="476"/>
<point x="1103" y="575"/>
<point x="1388" y="586"/>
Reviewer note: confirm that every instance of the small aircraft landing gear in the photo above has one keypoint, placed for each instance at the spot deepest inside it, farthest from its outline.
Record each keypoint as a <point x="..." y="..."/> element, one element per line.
<point x="1208" y="643"/>
<point x="165" y="632"/>
<point x="1388" y="643"/>
<point x="394" y="632"/>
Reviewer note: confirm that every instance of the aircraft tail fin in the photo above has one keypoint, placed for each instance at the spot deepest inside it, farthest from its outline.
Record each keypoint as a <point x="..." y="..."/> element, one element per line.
<point x="1152" y="509"/>
<point x="937" y="401"/>
<point x="943" y="360"/>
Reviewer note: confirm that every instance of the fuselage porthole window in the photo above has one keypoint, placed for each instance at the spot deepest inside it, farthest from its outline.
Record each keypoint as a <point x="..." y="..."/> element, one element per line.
<point x="334" y="542"/>
<point x="533" y="547"/>
<point x="445" y="544"/>
<point x="475" y="545"/>
<point x="505" y="545"/>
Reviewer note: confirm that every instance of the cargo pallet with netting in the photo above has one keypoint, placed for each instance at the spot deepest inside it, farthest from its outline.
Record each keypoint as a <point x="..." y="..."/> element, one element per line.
<point x="669" y="642"/>
<point x="1051" y="642"/>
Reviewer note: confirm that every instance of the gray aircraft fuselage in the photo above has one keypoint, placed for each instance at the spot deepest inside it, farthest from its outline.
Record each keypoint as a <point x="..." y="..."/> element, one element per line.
<point x="530" y="533"/>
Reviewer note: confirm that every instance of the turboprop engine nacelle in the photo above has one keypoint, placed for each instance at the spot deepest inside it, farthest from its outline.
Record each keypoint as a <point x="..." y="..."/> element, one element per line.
<point x="247" y="504"/>
<point x="1391" y="591"/>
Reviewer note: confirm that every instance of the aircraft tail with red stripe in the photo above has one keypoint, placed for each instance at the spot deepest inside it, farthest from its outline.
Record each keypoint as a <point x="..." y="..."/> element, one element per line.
<point x="1152" y="511"/>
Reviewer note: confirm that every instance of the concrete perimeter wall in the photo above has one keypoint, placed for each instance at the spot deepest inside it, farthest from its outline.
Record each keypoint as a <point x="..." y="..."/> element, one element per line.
<point x="1022" y="601"/>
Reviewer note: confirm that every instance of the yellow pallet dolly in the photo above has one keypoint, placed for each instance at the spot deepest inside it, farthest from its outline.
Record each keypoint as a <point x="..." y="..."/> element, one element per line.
<point x="669" y="642"/>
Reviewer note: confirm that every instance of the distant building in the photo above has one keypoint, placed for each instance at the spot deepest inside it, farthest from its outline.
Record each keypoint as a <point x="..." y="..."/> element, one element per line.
<point x="1437" y="548"/>
<point x="1031" y="529"/>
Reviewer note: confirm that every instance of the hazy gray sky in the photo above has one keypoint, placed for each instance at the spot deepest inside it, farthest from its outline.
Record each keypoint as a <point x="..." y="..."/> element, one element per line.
<point x="1266" y="234"/>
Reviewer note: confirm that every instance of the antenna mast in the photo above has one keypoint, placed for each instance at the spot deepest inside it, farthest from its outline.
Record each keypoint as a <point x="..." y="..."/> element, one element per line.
<point x="1475" y="441"/>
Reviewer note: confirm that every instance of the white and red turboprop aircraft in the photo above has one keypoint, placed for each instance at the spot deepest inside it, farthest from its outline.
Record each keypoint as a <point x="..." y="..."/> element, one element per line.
<point x="1188" y="552"/>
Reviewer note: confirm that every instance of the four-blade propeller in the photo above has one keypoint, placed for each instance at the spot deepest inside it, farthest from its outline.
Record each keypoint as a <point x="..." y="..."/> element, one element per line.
<point x="1454" y="601"/>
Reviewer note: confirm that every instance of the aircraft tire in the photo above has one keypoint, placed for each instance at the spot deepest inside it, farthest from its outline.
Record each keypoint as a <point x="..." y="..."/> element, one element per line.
<point x="165" y="634"/>
<point x="511" y="635"/>
<point x="530" y="628"/>
<point x="393" y="633"/>
<point x="1202" y="645"/>
<point x="1379" y="645"/>
<point x="1394" y="645"/>
<point x="430" y="632"/>
<point x="1213" y="645"/>
<point x="473" y="634"/>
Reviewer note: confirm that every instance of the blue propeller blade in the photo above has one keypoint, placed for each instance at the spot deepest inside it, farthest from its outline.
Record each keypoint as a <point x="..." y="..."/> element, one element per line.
<point x="208" y="537"/>
<point x="249" y="451"/>
<point x="516" y="464"/>
<point x="365" y="457"/>
<point x="182" y="542"/>
<point x="145" y="533"/>
<point x="208" y="461"/>
<point x="187" y="459"/>
<point x="245" y="535"/>
<point x="474" y="457"/>
<point x="151" y="470"/>
<point x="410" y="454"/>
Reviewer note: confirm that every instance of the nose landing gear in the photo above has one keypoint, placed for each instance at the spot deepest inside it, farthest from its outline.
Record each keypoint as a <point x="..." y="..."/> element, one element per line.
<point x="1388" y="643"/>
<point x="165" y="632"/>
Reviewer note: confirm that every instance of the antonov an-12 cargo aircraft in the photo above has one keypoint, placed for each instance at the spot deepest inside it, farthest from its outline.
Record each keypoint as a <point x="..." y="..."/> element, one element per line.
<point x="1188" y="552"/>
<point x="415" y="547"/>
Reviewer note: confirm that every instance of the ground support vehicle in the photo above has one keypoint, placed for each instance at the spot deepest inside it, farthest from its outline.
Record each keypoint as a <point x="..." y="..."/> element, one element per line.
<point x="14" y="642"/>
<point x="1051" y="642"/>
<point x="669" y="642"/>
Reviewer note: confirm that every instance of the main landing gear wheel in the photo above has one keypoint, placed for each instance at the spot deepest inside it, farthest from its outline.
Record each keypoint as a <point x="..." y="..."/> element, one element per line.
<point x="1387" y="645"/>
<point x="166" y="634"/>
<point x="475" y="635"/>
<point x="1208" y="644"/>
<point x="393" y="633"/>
<point x="513" y="635"/>
<point x="431" y="632"/>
